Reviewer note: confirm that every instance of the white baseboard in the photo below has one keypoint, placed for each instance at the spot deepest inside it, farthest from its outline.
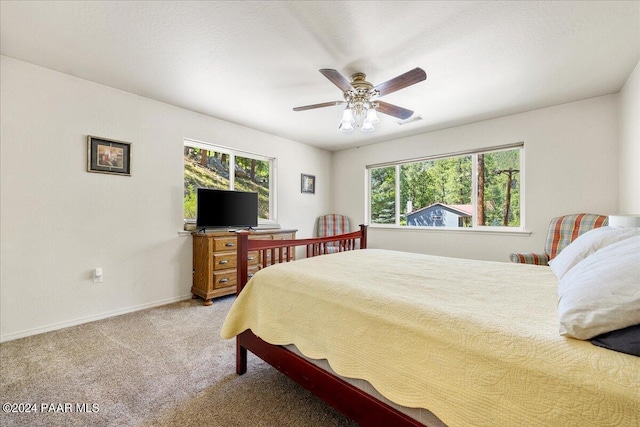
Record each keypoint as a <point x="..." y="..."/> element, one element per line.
<point x="87" y="319"/>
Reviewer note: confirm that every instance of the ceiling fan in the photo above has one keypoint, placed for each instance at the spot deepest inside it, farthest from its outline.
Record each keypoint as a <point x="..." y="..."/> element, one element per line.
<point x="361" y="98"/>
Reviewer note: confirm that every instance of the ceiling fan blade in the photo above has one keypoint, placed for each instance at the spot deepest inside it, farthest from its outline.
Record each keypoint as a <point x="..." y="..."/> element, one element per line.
<point x="407" y="79"/>
<point x="337" y="79"/>
<point x="324" y="104"/>
<point x="393" y="110"/>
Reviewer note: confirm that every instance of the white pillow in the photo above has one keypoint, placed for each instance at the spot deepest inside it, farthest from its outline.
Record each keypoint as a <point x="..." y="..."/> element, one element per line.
<point x="602" y="292"/>
<point x="586" y="244"/>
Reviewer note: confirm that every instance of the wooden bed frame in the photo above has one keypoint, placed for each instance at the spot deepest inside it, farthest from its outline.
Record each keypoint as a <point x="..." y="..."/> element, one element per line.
<point x="346" y="398"/>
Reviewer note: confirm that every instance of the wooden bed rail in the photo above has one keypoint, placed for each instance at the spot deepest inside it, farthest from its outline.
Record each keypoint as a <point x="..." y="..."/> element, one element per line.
<point x="279" y="251"/>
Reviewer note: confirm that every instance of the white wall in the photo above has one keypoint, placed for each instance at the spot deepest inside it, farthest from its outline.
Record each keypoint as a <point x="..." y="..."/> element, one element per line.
<point x="59" y="222"/>
<point x="571" y="166"/>
<point x="630" y="145"/>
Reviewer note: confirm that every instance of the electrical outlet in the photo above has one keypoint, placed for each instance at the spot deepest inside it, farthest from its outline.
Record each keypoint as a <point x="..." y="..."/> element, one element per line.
<point x="97" y="275"/>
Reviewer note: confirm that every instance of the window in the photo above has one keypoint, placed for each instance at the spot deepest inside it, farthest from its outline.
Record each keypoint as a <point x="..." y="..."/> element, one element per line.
<point x="208" y="166"/>
<point x="461" y="190"/>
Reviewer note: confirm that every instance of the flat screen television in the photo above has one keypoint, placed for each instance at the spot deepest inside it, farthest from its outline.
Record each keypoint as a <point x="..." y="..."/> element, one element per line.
<point x="224" y="208"/>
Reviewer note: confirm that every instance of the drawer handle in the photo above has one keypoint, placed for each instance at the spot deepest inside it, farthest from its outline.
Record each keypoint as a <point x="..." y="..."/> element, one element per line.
<point x="224" y="261"/>
<point x="250" y="258"/>
<point x="225" y="280"/>
<point x="229" y="244"/>
<point x="250" y="275"/>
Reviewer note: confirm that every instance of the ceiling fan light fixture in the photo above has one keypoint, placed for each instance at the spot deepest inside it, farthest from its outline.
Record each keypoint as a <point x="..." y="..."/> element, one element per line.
<point x="372" y="116"/>
<point x="345" y="127"/>
<point x="367" y="126"/>
<point x="347" y="116"/>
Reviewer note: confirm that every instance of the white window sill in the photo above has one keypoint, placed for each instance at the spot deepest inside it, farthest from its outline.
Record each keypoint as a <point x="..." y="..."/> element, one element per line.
<point x="464" y="230"/>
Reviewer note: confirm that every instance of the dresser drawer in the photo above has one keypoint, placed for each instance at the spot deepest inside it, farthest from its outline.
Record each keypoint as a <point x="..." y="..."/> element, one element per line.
<point x="224" y="243"/>
<point x="253" y="257"/>
<point x="227" y="278"/>
<point x="225" y="260"/>
<point x="253" y="269"/>
<point x="224" y="278"/>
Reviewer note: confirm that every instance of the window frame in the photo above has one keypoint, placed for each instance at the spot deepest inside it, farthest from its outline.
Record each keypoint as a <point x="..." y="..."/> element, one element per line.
<point x="474" y="191"/>
<point x="232" y="153"/>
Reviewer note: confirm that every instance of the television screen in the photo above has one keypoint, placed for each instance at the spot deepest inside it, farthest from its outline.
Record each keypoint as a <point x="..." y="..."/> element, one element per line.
<point x="223" y="208"/>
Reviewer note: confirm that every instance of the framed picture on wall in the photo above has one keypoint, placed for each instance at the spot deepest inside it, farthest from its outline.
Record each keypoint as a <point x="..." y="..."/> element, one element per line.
<point x="307" y="184"/>
<point x="108" y="156"/>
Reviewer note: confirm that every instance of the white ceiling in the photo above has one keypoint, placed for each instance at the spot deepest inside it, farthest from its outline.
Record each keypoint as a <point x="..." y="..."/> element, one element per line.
<point x="251" y="62"/>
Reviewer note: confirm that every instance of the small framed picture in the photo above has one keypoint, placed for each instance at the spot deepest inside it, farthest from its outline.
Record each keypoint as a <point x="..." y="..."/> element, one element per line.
<point x="108" y="156"/>
<point x="307" y="184"/>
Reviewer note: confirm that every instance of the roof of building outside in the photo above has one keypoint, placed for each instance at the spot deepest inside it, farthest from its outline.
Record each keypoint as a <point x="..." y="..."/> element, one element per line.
<point x="462" y="210"/>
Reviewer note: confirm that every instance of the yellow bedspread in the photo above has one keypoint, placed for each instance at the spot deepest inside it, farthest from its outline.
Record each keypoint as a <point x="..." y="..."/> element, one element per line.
<point x="474" y="342"/>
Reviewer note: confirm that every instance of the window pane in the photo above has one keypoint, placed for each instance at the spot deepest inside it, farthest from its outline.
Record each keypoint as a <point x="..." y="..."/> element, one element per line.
<point x="202" y="169"/>
<point x="499" y="188"/>
<point x="383" y="195"/>
<point x="253" y="175"/>
<point x="437" y="193"/>
<point x="442" y="193"/>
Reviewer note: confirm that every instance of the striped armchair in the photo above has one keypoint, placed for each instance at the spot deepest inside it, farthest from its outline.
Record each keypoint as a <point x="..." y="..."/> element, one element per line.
<point x="331" y="225"/>
<point x="562" y="231"/>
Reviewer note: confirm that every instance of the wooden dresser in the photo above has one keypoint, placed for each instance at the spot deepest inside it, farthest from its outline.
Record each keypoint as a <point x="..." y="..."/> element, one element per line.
<point x="214" y="261"/>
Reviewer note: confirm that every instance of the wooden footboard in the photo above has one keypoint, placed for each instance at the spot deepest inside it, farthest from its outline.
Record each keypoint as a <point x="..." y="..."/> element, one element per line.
<point x="346" y="398"/>
<point x="279" y="251"/>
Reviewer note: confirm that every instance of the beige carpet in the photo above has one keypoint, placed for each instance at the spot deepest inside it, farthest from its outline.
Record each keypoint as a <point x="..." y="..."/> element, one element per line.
<point x="165" y="366"/>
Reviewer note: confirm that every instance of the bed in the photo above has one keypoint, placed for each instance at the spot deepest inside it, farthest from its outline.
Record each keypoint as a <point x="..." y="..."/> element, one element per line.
<point x="464" y="343"/>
